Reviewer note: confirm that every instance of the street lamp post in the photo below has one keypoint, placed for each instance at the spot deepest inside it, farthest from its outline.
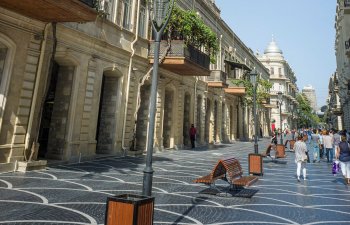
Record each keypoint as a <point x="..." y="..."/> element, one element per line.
<point x="160" y="12"/>
<point x="280" y="105"/>
<point x="253" y="78"/>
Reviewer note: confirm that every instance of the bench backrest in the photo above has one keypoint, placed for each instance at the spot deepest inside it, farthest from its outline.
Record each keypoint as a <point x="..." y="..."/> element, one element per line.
<point x="233" y="167"/>
<point x="218" y="171"/>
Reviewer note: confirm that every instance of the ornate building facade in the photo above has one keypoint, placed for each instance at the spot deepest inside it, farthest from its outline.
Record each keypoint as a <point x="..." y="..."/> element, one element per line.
<point x="334" y="119"/>
<point x="342" y="52"/>
<point x="284" y="80"/>
<point x="77" y="84"/>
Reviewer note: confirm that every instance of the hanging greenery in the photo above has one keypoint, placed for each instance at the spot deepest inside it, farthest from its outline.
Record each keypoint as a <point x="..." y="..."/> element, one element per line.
<point x="262" y="92"/>
<point x="188" y="26"/>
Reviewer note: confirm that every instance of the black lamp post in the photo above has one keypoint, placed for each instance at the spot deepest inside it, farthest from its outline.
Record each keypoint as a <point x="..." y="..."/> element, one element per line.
<point x="298" y="117"/>
<point x="291" y="121"/>
<point x="280" y="105"/>
<point x="160" y="12"/>
<point x="253" y="78"/>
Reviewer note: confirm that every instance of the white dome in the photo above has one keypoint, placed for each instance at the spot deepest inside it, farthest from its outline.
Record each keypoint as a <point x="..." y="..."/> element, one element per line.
<point x="272" y="48"/>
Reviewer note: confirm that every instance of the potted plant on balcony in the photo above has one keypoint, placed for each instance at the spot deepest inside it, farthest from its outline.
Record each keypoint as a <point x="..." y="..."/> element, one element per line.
<point x="189" y="27"/>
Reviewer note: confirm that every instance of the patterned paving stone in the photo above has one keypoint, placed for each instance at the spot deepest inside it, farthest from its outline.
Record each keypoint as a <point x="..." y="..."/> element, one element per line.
<point x="77" y="193"/>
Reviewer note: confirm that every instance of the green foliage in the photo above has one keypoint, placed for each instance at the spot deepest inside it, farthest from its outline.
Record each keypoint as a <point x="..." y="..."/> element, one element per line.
<point x="306" y="117"/>
<point x="187" y="25"/>
<point x="262" y="93"/>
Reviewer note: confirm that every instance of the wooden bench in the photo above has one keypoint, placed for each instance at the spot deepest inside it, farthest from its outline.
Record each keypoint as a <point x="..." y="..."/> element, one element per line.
<point x="230" y="170"/>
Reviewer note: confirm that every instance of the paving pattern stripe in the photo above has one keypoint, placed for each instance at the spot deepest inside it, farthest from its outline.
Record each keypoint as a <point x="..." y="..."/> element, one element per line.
<point x="80" y="203"/>
<point x="287" y="192"/>
<point x="44" y="200"/>
<point x="82" y="185"/>
<point x="114" y="178"/>
<point x="248" y="222"/>
<point x="9" y="185"/>
<point x="71" y="189"/>
<point x="273" y="187"/>
<point x="197" y="222"/>
<point x="88" y="217"/>
<point x="274" y="199"/>
<point x="267" y="214"/>
<point x="74" y="168"/>
<point x="327" y="222"/>
<point x="48" y="174"/>
<point x="41" y="178"/>
<point x="43" y="221"/>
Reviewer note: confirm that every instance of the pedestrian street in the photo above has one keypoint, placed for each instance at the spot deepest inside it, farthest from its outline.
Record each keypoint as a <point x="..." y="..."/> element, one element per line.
<point x="77" y="193"/>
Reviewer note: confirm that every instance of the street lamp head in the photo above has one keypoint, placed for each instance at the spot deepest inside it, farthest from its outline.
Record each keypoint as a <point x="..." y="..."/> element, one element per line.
<point x="253" y="77"/>
<point x="160" y="11"/>
<point x="279" y="94"/>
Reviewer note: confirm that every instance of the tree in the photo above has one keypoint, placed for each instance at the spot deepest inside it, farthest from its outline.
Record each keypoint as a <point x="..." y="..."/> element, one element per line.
<point x="262" y="93"/>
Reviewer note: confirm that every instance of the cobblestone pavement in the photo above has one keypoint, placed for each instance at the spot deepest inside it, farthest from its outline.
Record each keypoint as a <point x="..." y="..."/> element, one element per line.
<point x="76" y="193"/>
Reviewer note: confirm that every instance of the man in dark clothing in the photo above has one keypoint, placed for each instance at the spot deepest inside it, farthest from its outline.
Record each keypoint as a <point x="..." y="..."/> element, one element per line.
<point x="193" y="132"/>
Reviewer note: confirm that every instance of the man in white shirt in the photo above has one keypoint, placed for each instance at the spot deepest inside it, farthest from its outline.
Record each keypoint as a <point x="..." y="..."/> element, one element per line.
<point x="328" y="145"/>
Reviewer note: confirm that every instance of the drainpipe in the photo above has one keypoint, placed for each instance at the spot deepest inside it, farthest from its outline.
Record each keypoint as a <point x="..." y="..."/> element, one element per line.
<point x="28" y="141"/>
<point x="129" y="75"/>
<point x="195" y="101"/>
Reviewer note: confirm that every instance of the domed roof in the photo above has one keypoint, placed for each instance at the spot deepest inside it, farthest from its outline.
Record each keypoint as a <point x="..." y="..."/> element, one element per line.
<point x="273" y="48"/>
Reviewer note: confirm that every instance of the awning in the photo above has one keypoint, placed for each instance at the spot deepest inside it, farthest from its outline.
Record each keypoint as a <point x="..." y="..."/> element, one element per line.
<point x="238" y="65"/>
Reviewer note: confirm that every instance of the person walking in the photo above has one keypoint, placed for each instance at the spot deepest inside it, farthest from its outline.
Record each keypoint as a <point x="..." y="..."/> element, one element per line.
<point x="300" y="157"/>
<point x="193" y="132"/>
<point x="344" y="158"/>
<point x="315" y="139"/>
<point x="328" y="145"/>
<point x="320" y="132"/>
<point x="336" y="141"/>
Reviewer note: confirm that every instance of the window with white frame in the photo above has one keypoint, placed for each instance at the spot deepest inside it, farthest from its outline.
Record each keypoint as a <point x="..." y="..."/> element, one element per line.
<point x="143" y="20"/>
<point x="127" y="14"/>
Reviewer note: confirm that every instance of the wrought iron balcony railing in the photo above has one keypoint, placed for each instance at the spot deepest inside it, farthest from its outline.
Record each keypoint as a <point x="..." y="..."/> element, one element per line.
<point x="346" y="3"/>
<point x="182" y="59"/>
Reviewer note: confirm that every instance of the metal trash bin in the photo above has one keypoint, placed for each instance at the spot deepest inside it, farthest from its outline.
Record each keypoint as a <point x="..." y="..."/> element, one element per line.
<point x="255" y="164"/>
<point x="129" y="209"/>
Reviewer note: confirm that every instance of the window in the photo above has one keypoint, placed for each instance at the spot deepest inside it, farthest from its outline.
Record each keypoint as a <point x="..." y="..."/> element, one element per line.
<point x="142" y="19"/>
<point x="272" y="71"/>
<point x="3" y="53"/>
<point x="127" y="14"/>
<point x="280" y="71"/>
<point x="7" y="50"/>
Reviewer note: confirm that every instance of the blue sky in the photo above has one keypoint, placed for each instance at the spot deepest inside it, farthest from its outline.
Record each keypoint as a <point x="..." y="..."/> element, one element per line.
<point x="303" y="29"/>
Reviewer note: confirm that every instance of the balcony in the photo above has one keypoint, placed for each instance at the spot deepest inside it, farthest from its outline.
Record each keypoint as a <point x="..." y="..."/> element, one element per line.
<point x="182" y="59"/>
<point x="217" y="79"/>
<point x="53" y="10"/>
<point x="233" y="89"/>
<point x="346" y="6"/>
<point x="347" y="47"/>
<point x="337" y="111"/>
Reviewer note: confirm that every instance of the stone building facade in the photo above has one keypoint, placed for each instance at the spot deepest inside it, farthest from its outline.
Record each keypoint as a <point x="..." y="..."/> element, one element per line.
<point x="334" y="119"/>
<point x="310" y="94"/>
<point x="342" y="52"/>
<point x="284" y="80"/>
<point x="76" y="87"/>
